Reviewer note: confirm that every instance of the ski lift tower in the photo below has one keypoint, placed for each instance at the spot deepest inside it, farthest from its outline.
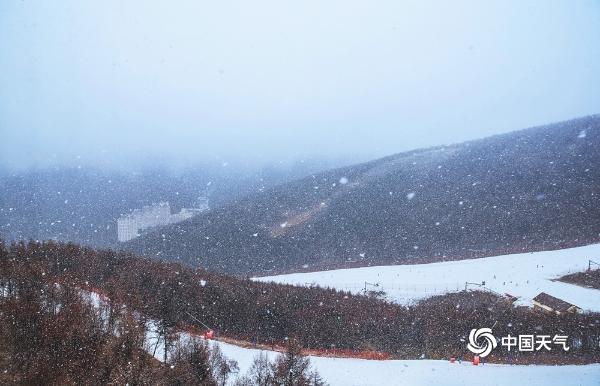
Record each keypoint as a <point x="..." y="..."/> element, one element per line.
<point x="371" y="284"/>
<point x="482" y="284"/>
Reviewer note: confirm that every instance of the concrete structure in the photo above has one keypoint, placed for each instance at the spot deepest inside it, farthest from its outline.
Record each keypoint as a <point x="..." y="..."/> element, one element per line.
<point x="548" y="303"/>
<point x="132" y="225"/>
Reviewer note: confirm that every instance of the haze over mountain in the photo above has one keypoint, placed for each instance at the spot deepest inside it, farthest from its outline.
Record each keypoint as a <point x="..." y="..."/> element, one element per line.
<point x="120" y="82"/>
<point x="82" y="204"/>
<point x="530" y="189"/>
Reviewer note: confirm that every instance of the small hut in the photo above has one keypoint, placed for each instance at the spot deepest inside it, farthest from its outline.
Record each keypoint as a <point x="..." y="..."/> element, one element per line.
<point x="549" y="303"/>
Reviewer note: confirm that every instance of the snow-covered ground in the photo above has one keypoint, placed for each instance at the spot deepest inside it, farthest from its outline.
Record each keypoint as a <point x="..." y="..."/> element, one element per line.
<point x="360" y="372"/>
<point x="524" y="275"/>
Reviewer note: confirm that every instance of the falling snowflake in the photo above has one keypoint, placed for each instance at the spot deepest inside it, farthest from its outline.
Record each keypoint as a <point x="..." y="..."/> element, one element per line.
<point x="343" y="180"/>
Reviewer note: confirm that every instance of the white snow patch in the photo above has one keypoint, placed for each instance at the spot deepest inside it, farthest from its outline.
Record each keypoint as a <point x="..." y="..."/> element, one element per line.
<point x="360" y="372"/>
<point x="524" y="275"/>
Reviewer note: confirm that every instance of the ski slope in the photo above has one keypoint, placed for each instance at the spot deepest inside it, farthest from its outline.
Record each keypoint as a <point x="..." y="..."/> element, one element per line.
<point x="361" y="372"/>
<point x="524" y="275"/>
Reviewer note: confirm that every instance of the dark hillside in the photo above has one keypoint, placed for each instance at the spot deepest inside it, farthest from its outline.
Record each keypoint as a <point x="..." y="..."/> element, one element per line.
<point x="82" y="205"/>
<point x="531" y="189"/>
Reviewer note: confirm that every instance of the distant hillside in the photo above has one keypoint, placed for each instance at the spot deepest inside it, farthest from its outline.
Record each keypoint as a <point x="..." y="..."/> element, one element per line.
<point x="530" y="189"/>
<point x="83" y="204"/>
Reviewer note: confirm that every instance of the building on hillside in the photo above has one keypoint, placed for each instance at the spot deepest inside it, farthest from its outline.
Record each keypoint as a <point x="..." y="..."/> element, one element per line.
<point x="548" y="303"/>
<point x="131" y="225"/>
<point x="201" y="204"/>
<point x="510" y="298"/>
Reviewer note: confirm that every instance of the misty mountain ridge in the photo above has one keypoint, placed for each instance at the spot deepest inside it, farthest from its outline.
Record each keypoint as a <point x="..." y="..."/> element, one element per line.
<point x="530" y="189"/>
<point x="82" y="204"/>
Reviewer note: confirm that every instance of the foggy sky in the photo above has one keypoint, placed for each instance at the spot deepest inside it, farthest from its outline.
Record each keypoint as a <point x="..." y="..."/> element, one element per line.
<point x="116" y="82"/>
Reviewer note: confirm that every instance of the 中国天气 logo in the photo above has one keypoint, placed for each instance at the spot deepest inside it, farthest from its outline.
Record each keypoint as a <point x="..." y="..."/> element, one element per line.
<point x="481" y="341"/>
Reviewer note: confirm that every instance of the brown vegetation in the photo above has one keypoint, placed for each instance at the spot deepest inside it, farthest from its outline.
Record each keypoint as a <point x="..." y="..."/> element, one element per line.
<point x="177" y="296"/>
<point x="589" y="278"/>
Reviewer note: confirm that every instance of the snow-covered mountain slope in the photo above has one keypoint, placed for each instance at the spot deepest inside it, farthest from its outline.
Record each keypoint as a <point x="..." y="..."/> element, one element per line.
<point x="524" y="275"/>
<point x="361" y="372"/>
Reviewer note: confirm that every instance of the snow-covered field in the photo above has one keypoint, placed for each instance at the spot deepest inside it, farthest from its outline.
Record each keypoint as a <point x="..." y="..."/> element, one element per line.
<point x="360" y="372"/>
<point x="524" y="275"/>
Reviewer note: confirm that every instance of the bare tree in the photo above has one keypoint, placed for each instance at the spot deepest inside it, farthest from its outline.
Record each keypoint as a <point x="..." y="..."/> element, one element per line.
<point x="221" y="366"/>
<point x="291" y="368"/>
<point x="261" y="372"/>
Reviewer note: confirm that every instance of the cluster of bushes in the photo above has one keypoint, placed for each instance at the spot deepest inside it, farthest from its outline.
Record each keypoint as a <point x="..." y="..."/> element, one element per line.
<point x="51" y="336"/>
<point x="289" y="369"/>
<point x="195" y="363"/>
<point x="589" y="278"/>
<point x="54" y="333"/>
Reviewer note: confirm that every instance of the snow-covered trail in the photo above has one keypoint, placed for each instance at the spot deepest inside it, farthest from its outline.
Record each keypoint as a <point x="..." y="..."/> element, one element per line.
<point x="361" y="372"/>
<point x="524" y="275"/>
